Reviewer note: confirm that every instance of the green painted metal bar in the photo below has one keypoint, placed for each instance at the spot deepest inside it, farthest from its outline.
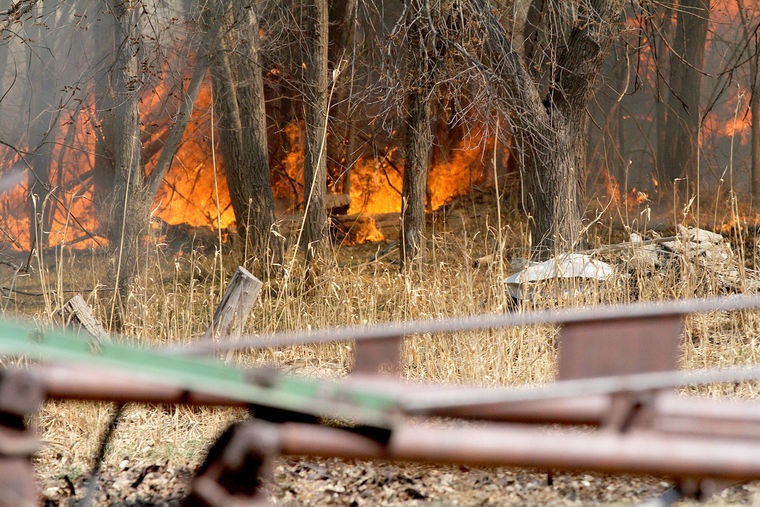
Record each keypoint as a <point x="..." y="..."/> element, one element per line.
<point x="286" y="392"/>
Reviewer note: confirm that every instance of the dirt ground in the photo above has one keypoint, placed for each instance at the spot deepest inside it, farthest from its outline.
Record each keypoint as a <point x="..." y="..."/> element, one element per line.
<point x="335" y="482"/>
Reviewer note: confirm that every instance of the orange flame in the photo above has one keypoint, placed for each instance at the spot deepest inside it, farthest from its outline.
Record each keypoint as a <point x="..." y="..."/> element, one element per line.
<point x="632" y="199"/>
<point x="366" y="231"/>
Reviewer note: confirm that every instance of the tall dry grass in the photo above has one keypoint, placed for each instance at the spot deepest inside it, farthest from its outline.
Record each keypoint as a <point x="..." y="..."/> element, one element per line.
<point x="174" y="299"/>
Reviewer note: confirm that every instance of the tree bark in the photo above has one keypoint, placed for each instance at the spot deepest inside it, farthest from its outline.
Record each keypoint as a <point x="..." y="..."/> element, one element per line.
<point x="129" y="213"/>
<point x="341" y="145"/>
<point x="683" y="116"/>
<point x="754" y="102"/>
<point x="755" y="113"/>
<point x="550" y="131"/>
<point x="315" y="104"/>
<point x="103" y="45"/>
<point x="661" y="110"/>
<point x="42" y="130"/>
<point x="239" y="102"/>
<point x="425" y="53"/>
<point x="419" y="140"/>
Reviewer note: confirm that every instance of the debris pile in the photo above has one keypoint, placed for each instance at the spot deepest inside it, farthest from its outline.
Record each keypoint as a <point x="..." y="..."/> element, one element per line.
<point x="700" y="254"/>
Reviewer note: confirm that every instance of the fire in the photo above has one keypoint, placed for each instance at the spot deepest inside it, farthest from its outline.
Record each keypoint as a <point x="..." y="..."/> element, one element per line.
<point x="739" y="222"/>
<point x="365" y="231"/>
<point x="740" y="126"/>
<point x="376" y="183"/>
<point x="194" y="191"/>
<point x="611" y="187"/>
<point x="632" y="199"/>
<point x="69" y="213"/>
<point x="292" y="163"/>
<point x="189" y="192"/>
<point x="636" y="197"/>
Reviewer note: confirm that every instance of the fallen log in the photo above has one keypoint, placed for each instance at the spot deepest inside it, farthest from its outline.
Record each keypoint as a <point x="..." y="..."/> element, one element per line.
<point x="349" y="227"/>
<point x="354" y="227"/>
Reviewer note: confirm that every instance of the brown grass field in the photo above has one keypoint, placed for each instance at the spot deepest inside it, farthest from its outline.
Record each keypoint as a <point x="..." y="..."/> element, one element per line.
<point x="155" y="448"/>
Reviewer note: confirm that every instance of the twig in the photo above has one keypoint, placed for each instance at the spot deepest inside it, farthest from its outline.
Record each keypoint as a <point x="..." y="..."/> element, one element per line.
<point x="629" y="244"/>
<point x="105" y="439"/>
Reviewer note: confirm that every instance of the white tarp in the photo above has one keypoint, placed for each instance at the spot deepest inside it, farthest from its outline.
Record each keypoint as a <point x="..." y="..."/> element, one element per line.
<point x="568" y="265"/>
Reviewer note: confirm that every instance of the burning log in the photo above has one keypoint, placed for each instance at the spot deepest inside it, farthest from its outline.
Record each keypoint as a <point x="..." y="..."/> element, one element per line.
<point x="365" y="228"/>
<point x="181" y="236"/>
<point x="236" y="304"/>
<point x="76" y="314"/>
<point x="337" y="204"/>
<point x="353" y="229"/>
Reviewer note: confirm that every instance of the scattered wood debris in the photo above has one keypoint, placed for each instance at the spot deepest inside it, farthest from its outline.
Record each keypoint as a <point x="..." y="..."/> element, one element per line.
<point x="703" y="254"/>
<point x="700" y="253"/>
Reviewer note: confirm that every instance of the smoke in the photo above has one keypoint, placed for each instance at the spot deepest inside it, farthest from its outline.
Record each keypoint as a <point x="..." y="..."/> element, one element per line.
<point x="11" y="178"/>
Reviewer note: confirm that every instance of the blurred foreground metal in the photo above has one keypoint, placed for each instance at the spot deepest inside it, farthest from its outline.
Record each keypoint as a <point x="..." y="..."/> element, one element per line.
<point x="617" y="374"/>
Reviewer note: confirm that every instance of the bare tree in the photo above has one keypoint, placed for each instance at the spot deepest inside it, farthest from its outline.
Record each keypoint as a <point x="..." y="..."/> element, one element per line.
<point x="43" y="123"/>
<point x="315" y="105"/>
<point x="683" y="115"/>
<point x="425" y="53"/>
<point x="750" y="25"/>
<point x="131" y="204"/>
<point x="341" y="144"/>
<point x="549" y="127"/>
<point x="239" y="100"/>
<point x="134" y="189"/>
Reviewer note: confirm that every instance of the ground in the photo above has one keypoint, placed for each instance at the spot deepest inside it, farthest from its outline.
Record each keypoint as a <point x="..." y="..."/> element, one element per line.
<point x="335" y="482"/>
<point x="156" y="448"/>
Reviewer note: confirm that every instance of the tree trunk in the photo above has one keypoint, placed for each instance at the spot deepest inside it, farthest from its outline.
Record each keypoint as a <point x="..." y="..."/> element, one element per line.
<point x="755" y="113"/>
<point x="315" y="104"/>
<point x="102" y="46"/>
<point x="419" y="140"/>
<point x="239" y="101"/>
<point x="550" y="131"/>
<point x="341" y="145"/>
<point x="129" y="213"/>
<point x="661" y="110"/>
<point x="683" y="117"/>
<point x="42" y="130"/>
<point x="425" y="55"/>
<point x="551" y="176"/>
<point x="754" y="103"/>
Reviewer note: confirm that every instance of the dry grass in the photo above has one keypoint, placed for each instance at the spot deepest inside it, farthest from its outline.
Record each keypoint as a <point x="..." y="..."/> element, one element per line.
<point x="175" y="298"/>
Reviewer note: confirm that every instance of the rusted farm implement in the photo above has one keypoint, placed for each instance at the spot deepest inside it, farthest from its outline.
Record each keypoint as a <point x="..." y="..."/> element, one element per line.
<point x="617" y="372"/>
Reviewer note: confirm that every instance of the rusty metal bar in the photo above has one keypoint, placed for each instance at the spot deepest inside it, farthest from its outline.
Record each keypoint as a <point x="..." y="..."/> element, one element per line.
<point x="706" y="416"/>
<point x="641" y="310"/>
<point x="373" y="357"/>
<point x="624" y="346"/>
<point x="672" y="414"/>
<point x="422" y="403"/>
<point x="530" y="446"/>
<point x="92" y="384"/>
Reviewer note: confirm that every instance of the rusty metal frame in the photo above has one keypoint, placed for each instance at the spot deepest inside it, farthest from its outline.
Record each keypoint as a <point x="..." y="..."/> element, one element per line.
<point x="616" y="369"/>
<point x="563" y="316"/>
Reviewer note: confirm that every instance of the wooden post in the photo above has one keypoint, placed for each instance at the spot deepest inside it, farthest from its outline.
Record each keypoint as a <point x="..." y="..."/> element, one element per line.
<point x="236" y="304"/>
<point x="76" y="314"/>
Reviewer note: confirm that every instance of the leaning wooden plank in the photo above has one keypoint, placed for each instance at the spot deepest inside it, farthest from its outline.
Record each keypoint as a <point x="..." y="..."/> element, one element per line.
<point x="236" y="305"/>
<point x="76" y="314"/>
